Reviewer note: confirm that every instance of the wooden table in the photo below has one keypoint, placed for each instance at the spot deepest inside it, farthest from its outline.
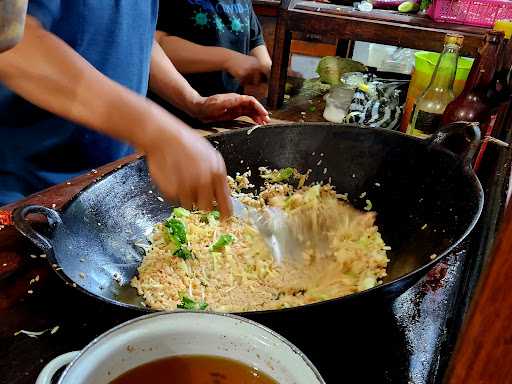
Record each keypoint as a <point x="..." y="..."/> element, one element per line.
<point x="343" y="22"/>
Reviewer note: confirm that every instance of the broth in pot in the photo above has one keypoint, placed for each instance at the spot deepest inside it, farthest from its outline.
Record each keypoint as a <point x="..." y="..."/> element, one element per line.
<point x="194" y="370"/>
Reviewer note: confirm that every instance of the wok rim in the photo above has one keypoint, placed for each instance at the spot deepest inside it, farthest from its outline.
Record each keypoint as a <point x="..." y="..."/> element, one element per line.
<point x="418" y="272"/>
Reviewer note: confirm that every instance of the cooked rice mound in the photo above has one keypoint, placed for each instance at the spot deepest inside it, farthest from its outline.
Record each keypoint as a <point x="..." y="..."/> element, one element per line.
<point x="242" y="275"/>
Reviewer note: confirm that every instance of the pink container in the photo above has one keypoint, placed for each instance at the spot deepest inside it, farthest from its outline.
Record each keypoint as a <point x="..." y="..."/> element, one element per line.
<point x="480" y="13"/>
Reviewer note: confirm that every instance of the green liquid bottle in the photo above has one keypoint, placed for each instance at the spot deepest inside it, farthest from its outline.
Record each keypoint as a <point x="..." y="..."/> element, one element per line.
<point x="430" y="105"/>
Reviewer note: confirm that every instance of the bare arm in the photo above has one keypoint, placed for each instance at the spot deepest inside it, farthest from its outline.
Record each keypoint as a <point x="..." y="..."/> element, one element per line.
<point x="169" y="84"/>
<point x="261" y="53"/>
<point x="48" y="73"/>
<point x="189" y="57"/>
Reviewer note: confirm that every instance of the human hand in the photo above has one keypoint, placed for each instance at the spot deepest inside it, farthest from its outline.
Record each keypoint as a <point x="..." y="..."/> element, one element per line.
<point x="246" y="69"/>
<point x="230" y="106"/>
<point x="188" y="169"/>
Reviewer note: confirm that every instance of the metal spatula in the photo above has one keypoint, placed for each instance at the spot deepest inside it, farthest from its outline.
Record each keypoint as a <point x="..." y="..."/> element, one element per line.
<point x="273" y="225"/>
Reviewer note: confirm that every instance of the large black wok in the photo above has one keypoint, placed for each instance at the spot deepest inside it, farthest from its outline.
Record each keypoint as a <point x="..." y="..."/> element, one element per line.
<point x="426" y="196"/>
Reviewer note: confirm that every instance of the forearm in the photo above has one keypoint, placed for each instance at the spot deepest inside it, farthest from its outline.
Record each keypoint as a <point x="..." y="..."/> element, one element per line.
<point x="261" y="53"/>
<point x="169" y="84"/>
<point x="47" y="72"/>
<point x="189" y="57"/>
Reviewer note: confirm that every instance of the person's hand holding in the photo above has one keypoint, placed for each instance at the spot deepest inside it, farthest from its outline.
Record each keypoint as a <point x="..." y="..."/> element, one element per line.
<point x="246" y="69"/>
<point x="230" y="106"/>
<point x="188" y="169"/>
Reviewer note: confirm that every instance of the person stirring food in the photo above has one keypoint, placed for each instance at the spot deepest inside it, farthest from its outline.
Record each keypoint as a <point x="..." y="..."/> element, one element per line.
<point x="73" y="99"/>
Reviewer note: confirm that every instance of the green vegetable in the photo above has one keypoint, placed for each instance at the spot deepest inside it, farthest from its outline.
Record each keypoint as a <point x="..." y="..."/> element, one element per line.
<point x="314" y="87"/>
<point x="287" y="201"/>
<point x="215" y="215"/>
<point x="312" y="193"/>
<point x="183" y="252"/>
<point x="284" y="174"/>
<point x="331" y="68"/>
<point x="425" y="4"/>
<point x="311" y="108"/>
<point x="180" y="212"/>
<point x="210" y="217"/>
<point x="177" y="231"/>
<point x="408" y="6"/>
<point x="191" y="305"/>
<point x="279" y="176"/>
<point x="222" y="242"/>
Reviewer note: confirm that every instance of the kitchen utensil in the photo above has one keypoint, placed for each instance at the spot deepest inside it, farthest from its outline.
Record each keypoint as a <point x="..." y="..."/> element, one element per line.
<point x="273" y="224"/>
<point x="161" y="335"/>
<point x="426" y="197"/>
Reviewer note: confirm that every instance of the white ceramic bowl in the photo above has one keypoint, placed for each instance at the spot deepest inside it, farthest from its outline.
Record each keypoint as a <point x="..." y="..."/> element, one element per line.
<point x="160" y="335"/>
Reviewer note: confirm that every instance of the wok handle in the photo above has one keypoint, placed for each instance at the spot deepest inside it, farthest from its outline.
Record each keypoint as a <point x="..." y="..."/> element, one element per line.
<point x="25" y="228"/>
<point x="461" y="138"/>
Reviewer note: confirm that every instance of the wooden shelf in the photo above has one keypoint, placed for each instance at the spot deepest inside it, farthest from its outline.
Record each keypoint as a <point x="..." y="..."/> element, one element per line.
<point x="266" y="7"/>
<point x="380" y="26"/>
<point x="346" y="23"/>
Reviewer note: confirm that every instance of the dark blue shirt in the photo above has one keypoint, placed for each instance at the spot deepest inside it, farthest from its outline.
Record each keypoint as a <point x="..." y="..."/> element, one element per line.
<point x="230" y="24"/>
<point x="39" y="149"/>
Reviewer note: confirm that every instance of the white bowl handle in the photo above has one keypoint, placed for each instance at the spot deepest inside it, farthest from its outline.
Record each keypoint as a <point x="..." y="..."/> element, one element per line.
<point x="46" y="375"/>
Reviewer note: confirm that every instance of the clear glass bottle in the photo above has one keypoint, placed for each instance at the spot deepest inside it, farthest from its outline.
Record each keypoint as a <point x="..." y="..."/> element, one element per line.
<point x="430" y="105"/>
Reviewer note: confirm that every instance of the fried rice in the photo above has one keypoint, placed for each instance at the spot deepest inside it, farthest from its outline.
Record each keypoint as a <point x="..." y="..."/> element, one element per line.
<point x="226" y="266"/>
